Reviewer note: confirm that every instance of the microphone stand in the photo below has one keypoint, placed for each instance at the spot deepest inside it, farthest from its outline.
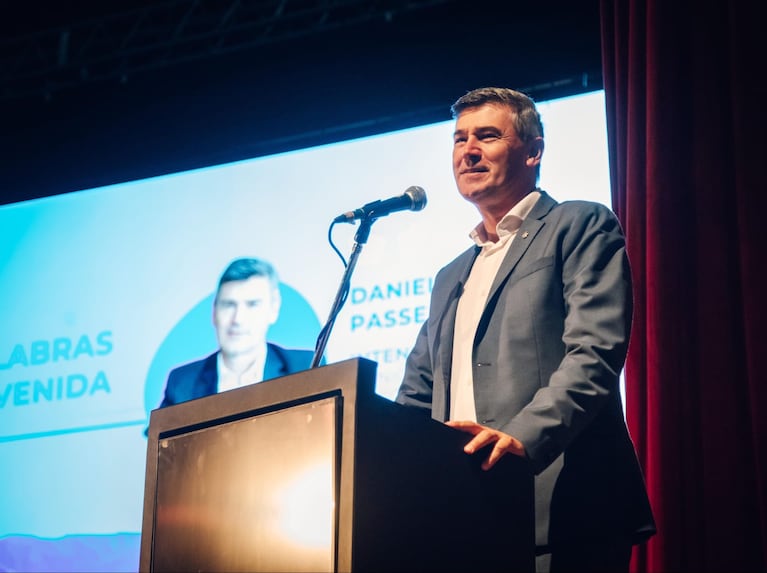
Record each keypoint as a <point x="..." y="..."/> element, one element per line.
<point x="360" y="238"/>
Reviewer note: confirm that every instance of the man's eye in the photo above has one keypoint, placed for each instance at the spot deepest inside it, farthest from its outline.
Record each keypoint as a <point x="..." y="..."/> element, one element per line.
<point x="254" y="303"/>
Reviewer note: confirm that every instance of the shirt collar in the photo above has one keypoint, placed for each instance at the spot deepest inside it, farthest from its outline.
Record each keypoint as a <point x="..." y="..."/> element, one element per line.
<point x="510" y="222"/>
<point x="254" y="371"/>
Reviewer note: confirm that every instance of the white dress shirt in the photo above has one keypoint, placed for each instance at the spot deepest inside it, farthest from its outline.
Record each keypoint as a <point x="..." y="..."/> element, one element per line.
<point x="472" y="303"/>
<point x="229" y="379"/>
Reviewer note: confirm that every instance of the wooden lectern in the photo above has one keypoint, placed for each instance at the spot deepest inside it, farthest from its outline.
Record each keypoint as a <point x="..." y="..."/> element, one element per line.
<point x="316" y="472"/>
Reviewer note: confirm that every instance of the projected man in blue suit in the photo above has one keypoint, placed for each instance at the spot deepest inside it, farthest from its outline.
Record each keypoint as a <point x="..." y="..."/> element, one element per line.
<point x="246" y="304"/>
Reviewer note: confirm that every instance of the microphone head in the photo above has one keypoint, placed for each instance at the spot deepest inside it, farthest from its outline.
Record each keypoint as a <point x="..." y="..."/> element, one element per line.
<point x="417" y="197"/>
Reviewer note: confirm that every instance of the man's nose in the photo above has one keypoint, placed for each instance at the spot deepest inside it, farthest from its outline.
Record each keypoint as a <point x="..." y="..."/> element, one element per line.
<point x="472" y="153"/>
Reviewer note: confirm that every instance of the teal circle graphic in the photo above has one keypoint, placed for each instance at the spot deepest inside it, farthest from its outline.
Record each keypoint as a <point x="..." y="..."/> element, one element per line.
<point x="194" y="338"/>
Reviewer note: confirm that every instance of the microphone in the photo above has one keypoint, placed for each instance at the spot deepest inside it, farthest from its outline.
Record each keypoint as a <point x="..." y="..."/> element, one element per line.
<point x="413" y="199"/>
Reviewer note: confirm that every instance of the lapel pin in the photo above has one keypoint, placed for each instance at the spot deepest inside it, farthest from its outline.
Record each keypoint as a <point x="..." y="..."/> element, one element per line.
<point x="525" y="234"/>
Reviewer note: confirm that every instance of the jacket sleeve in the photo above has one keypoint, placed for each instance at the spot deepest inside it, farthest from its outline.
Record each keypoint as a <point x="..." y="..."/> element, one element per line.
<point x="583" y="389"/>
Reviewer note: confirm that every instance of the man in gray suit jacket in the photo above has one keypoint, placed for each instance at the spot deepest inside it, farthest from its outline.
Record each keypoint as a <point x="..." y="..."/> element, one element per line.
<point x="526" y="338"/>
<point x="246" y="304"/>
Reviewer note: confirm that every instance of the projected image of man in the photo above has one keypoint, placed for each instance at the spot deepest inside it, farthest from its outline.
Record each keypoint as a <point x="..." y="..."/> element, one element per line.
<point x="246" y="304"/>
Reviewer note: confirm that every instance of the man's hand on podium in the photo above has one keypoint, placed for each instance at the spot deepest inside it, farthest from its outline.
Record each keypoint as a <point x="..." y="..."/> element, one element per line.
<point x="483" y="436"/>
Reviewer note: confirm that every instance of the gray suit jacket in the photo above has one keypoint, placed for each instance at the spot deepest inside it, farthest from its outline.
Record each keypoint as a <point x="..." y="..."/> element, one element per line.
<point x="547" y="356"/>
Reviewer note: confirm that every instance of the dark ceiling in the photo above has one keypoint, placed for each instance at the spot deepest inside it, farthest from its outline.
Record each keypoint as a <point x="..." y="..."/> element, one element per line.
<point x="63" y="48"/>
<point x="93" y="93"/>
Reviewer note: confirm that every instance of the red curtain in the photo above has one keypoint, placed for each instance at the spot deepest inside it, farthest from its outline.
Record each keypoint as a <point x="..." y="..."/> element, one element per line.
<point x="687" y="139"/>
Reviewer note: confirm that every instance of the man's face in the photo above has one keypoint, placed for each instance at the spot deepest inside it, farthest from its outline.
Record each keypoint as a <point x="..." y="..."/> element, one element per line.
<point x="243" y="312"/>
<point x="491" y="164"/>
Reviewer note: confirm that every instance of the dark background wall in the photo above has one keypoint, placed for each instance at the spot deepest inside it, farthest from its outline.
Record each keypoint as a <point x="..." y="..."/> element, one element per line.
<point x="93" y="93"/>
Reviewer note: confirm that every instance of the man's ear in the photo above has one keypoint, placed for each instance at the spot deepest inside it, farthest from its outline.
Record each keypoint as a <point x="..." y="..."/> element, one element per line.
<point x="276" y="303"/>
<point x="535" y="151"/>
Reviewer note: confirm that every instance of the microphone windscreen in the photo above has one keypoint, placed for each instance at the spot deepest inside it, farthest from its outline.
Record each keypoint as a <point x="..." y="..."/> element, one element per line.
<point x="417" y="196"/>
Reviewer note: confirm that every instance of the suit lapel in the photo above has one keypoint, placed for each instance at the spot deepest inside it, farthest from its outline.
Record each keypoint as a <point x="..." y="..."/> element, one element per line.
<point x="208" y="377"/>
<point x="526" y="234"/>
<point x="443" y="342"/>
<point x="459" y="272"/>
<point x="275" y="365"/>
